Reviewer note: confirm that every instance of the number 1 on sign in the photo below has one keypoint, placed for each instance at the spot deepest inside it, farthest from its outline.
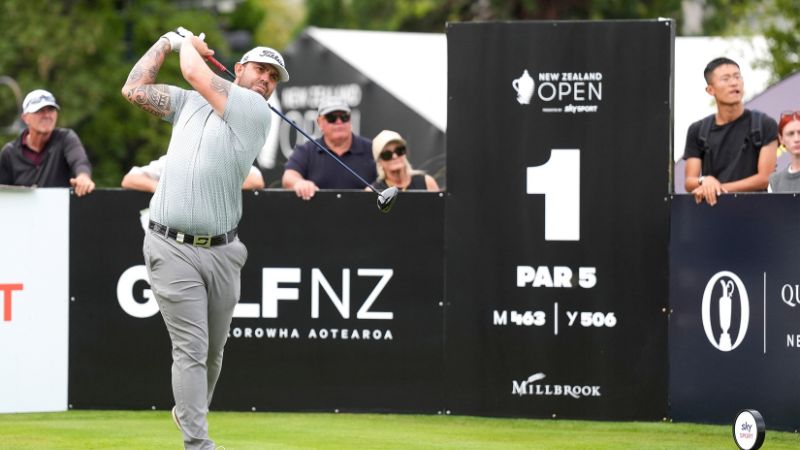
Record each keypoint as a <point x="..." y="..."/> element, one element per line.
<point x="559" y="179"/>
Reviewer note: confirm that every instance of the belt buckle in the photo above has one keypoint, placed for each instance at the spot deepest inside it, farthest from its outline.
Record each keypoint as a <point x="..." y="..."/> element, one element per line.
<point x="202" y="241"/>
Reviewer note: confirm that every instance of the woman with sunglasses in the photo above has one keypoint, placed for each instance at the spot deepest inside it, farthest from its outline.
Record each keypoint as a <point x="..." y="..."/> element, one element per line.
<point x="788" y="180"/>
<point x="389" y="150"/>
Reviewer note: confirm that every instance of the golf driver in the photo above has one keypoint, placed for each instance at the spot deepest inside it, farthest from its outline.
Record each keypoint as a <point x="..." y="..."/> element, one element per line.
<point x="386" y="198"/>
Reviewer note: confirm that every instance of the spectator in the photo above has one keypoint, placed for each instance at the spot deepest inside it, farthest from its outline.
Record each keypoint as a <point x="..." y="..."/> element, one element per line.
<point x="146" y="178"/>
<point x="788" y="180"/>
<point x="734" y="149"/>
<point x="391" y="156"/>
<point x="44" y="155"/>
<point x="309" y="169"/>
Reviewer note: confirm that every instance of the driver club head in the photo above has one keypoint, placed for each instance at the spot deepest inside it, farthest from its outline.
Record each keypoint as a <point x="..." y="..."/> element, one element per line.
<point x="386" y="199"/>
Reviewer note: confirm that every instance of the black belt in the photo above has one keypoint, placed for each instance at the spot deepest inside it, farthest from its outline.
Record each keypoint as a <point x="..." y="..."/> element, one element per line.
<point x="197" y="241"/>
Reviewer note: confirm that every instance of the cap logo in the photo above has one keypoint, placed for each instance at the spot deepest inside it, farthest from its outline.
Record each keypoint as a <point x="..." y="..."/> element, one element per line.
<point x="40" y="99"/>
<point x="270" y="54"/>
<point x="265" y="52"/>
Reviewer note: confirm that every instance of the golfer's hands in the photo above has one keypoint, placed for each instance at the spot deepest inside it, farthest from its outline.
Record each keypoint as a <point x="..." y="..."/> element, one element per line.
<point x="305" y="189"/>
<point x="178" y="36"/>
<point x="200" y="45"/>
<point x="175" y="40"/>
<point x="708" y="191"/>
<point x="82" y="184"/>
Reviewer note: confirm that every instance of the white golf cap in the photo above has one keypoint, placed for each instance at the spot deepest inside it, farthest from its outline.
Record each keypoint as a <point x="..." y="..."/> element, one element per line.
<point x="383" y="138"/>
<point x="269" y="56"/>
<point x="332" y="103"/>
<point x="37" y="100"/>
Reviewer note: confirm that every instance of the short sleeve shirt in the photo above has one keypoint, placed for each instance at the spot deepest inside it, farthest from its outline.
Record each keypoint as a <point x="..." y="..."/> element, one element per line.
<point x="731" y="153"/>
<point x="208" y="159"/>
<point x="315" y="165"/>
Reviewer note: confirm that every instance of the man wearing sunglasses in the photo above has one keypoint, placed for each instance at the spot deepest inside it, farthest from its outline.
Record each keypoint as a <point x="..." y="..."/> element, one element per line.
<point x="734" y="149"/>
<point x="44" y="155"/>
<point x="309" y="169"/>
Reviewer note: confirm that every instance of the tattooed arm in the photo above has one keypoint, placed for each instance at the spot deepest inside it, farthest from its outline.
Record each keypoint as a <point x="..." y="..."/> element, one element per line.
<point x="212" y="87"/>
<point x="140" y="88"/>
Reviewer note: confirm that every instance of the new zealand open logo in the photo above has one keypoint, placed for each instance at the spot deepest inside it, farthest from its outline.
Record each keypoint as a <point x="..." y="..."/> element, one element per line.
<point x="524" y="85"/>
<point x="725" y="298"/>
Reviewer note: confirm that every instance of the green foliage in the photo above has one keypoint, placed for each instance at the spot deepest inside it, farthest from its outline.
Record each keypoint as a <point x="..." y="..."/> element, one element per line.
<point x="782" y="37"/>
<point x="432" y="15"/>
<point x="408" y="15"/>
<point x="634" y="9"/>
<point x="724" y="17"/>
<point x="82" y="51"/>
<point x="248" y="15"/>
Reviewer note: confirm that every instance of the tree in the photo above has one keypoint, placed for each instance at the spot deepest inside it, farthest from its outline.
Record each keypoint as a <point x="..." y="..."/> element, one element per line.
<point x="782" y="37"/>
<point x="82" y="51"/>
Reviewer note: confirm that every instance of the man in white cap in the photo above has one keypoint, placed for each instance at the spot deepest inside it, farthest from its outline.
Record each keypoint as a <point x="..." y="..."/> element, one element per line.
<point x="309" y="169"/>
<point x="192" y="253"/>
<point x="44" y="155"/>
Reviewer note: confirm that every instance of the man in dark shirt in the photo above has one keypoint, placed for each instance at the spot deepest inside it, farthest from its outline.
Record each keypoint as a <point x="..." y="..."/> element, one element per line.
<point x="730" y="159"/>
<point x="44" y="155"/>
<point x="310" y="169"/>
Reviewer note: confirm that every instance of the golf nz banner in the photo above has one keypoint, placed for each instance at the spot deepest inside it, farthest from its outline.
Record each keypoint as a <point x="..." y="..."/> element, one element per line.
<point x="341" y="306"/>
<point x="558" y="148"/>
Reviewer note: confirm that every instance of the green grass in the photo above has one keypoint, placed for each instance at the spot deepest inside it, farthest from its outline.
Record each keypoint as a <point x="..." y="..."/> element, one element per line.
<point x="241" y="431"/>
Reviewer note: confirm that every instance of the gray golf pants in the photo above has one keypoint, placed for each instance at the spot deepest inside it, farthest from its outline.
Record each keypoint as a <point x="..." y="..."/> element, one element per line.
<point x="196" y="289"/>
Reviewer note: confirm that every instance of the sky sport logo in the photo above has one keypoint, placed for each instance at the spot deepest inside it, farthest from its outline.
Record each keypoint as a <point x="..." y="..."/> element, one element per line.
<point x="531" y="387"/>
<point x="560" y="92"/>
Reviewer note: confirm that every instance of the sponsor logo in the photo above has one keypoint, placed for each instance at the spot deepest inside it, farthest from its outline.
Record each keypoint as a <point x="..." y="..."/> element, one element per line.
<point x="6" y="293"/>
<point x="560" y="92"/>
<point x="720" y="295"/>
<point x="322" y="334"/>
<point x="532" y="387"/>
<point x="281" y="290"/>
<point x="790" y="294"/>
<point x="749" y="430"/>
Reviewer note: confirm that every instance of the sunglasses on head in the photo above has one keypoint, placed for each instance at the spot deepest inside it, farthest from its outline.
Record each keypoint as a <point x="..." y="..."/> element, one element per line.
<point x="793" y="114"/>
<point x="343" y="116"/>
<point x="386" y="155"/>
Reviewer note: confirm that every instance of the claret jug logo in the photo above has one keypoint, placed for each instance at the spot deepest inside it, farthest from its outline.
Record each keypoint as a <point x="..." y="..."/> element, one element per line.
<point x="524" y="86"/>
<point x="725" y="297"/>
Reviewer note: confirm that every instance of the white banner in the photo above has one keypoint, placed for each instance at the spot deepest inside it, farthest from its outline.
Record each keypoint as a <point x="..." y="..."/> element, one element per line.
<point x="34" y="304"/>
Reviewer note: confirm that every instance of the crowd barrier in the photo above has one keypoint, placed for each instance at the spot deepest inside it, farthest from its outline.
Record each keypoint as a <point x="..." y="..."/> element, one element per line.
<point x="344" y="308"/>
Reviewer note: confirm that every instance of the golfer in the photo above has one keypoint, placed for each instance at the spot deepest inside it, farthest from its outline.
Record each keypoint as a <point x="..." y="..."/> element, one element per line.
<point x="192" y="253"/>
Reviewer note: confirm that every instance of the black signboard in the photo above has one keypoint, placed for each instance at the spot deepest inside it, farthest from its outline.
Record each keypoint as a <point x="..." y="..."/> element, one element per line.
<point x="557" y="152"/>
<point x="341" y="306"/>
<point x="734" y="332"/>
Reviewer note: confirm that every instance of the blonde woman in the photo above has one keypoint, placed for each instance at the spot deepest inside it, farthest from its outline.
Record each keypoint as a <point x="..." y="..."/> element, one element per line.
<point x="394" y="169"/>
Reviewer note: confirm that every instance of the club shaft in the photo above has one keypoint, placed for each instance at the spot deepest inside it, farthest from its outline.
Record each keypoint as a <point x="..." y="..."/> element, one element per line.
<point x="222" y="68"/>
